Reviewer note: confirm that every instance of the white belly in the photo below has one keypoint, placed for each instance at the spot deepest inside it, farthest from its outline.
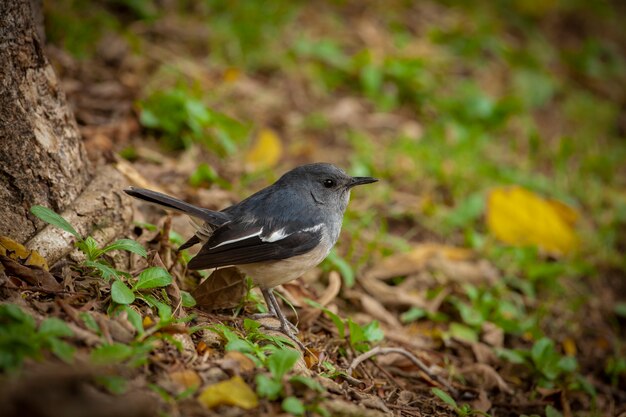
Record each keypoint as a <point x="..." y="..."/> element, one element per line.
<point x="273" y="273"/>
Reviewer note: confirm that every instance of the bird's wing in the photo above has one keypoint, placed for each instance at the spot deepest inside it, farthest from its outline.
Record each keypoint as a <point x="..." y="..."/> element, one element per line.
<point x="244" y="243"/>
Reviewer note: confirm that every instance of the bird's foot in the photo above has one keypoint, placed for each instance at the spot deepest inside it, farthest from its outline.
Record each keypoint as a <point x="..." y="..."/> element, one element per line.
<point x="287" y="330"/>
<point x="261" y="316"/>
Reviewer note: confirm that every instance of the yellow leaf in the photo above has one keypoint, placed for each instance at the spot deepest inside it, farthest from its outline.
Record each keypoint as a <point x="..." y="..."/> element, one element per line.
<point x="266" y="151"/>
<point x="19" y="253"/>
<point x="232" y="74"/>
<point x="235" y="392"/>
<point x="569" y="346"/>
<point x="148" y="322"/>
<point x="519" y="217"/>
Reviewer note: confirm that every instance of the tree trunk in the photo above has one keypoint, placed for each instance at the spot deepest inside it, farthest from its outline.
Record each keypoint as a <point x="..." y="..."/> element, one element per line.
<point x="42" y="157"/>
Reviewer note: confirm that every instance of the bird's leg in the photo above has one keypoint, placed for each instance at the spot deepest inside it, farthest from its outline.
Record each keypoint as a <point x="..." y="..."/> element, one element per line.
<point x="270" y="308"/>
<point x="267" y="296"/>
<point x="285" y="326"/>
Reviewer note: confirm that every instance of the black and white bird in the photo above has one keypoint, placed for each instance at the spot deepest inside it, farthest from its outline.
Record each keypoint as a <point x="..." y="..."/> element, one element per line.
<point x="275" y="235"/>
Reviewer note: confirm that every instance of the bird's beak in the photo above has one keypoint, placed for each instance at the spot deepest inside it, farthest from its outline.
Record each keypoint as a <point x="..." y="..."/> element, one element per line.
<point x="361" y="180"/>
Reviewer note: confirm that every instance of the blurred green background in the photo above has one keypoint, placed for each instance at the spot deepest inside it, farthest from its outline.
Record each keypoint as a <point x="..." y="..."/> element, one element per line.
<point x="442" y="100"/>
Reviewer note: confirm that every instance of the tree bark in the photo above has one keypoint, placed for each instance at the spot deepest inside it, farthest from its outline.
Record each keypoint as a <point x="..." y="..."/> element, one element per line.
<point x="42" y="157"/>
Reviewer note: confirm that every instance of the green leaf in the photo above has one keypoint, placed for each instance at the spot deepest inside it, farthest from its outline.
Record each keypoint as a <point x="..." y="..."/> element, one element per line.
<point x="165" y="311"/>
<point x="89" y="321"/>
<point x="127" y="245"/>
<point x="294" y="406"/>
<point x="111" y="353"/>
<point x="187" y="299"/>
<point x="372" y="332"/>
<point x="344" y="268"/>
<point x="445" y="397"/>
<point x="567" y="364"/>
<point x="552" y="412"/>
<point x="54" y="219"/>
<point x="134" y="318"/>
<point x="543" y="354"/>
<point x="281" y="362"/>
<point x="113" y="383"/>
<point x="121" y="294"/>
<point x="90" y="247"/>
<point x="338" y="321"/>
<point x="462" y="331"/>
<point x="413" y="314"/>
<point x="105" y="270"/>
<point x="55" y="327"/>
<point x="267" y="387"/>
<point x="620" y="309"/>
<point x="511" y="355"/>
<point x="154" y="277"/>
<point x="308" y="382"/>
<point x="61" y="349"/>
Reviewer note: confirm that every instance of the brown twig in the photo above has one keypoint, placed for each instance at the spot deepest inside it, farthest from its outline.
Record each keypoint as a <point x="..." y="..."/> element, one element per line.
<point x="386" y="350"/>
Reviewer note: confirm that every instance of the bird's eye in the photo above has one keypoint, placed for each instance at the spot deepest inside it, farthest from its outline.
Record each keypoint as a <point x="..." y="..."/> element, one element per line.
<point x="328" y="183"/>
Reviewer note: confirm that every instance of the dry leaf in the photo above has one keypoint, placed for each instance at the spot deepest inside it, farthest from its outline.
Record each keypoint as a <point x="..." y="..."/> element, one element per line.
<point x="19" y="253"/>
<point x="391" y="295"/>
<point x="224" y="288"/>
<point x="32" y="275"/>
<point x="483" y="375"/>
<point x="519" y="217"/>
<point x="238" y="362"/>
<point x="334" y="285"/>
<point x="266" y="151"/>
<point x="235" y="392"/>
<point x="187" y="378"/>
<point x="416" y="259"/>
<point x="375" y="309"/>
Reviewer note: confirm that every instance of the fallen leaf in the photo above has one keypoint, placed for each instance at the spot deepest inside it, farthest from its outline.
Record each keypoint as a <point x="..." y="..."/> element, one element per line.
<point x="483" y="375"/>
<point x="234" y="392"/>
<point x="569" y="346"/>
<point x="492" y="334"/>
<point x="266" y="151"/>
<point x="482" y="403"/>
<point x="224" y="288"/>
<point x="391" y="295"/>
<point x="231" y="74"/>
<point x="18" y="252"/>
<point x="334" y="285"/>
<point x="32" y="275"/>
<point x="519" y="217"/>
<point x="238" y="362"/>
<point x="187" y="378"/>
<point x="375" y="309"/>
<point x="416" y="259"/>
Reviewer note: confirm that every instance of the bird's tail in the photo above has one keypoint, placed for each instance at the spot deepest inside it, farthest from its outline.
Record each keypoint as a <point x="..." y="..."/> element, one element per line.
<point x="213" y="217"/>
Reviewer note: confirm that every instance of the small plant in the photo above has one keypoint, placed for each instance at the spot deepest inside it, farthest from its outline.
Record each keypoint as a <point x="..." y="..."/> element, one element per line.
<point x="257" y="345"/>
<point x="89" y="246"/>
<point x="21" y="338"/>
<point x="181" y="118"/>
<point x="272" y="387"/>
<point x="359" y="337"/>
<point x="464" y="410"/>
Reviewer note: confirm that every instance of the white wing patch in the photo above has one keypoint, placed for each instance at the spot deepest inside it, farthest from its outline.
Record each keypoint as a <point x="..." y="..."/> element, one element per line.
<point x="275" y="236"/>
<point x="280" y="233"/>
<point x="228" y="242"/>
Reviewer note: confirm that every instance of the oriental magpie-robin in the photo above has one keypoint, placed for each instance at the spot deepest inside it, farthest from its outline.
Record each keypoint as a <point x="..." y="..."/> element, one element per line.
<point x="276" y="234"/>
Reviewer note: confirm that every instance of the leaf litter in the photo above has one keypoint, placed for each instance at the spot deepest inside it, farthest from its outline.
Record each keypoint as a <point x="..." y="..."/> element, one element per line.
<point x="386" y="287"/>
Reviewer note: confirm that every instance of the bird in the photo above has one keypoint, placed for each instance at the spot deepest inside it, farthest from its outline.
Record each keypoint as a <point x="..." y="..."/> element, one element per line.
<point x="276" y="234"/>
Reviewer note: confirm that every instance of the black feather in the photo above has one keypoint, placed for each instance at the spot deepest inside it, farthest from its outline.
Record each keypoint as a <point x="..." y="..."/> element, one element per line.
<point x="216" y="218"/>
